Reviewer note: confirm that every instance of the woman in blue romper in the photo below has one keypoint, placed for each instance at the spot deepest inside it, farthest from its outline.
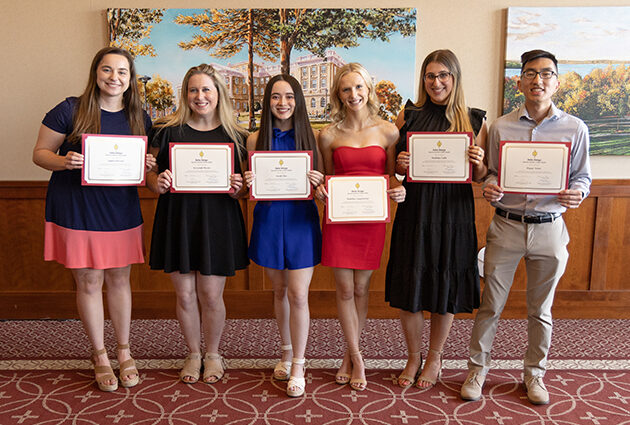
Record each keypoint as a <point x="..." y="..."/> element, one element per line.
<point x="286" y="237"/>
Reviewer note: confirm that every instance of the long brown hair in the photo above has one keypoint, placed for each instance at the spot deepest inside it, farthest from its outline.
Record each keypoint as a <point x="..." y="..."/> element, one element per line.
<point x="304" y="137"/>
<point x="224" y="107"/>
<point x="456" y="110"/>
<point x="87" y="114"/>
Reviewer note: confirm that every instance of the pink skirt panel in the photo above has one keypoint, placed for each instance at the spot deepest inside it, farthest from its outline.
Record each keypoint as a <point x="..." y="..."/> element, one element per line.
<point x="78" y="249"/>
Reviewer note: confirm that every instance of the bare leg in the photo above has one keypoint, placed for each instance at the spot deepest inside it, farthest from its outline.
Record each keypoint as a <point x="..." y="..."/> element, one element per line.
<point x="279" y="280"/>
<point x="352" y="304"/>
<point x="210" y="294"/>
<point x="119" y="307"/>
<point x="90" y="306"/>
<point x="187" y="310"/>
<point x="299" y="281"/>
<point x="440" y="328"/>
<point x="412" y="324"/>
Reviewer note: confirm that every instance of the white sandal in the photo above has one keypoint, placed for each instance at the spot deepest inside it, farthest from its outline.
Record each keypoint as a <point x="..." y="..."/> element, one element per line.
<point x="296" y="386"/>
<point x="283" y="369"/>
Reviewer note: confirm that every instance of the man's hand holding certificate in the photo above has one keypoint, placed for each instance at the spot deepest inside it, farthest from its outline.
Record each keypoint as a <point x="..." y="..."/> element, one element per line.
<point x="534" y="167"/>
<point x="112" y="160"/>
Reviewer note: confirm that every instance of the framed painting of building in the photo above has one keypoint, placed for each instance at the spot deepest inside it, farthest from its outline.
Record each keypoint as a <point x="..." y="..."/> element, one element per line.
<point x="249" y="46"/>
<point x="591" y="45"/>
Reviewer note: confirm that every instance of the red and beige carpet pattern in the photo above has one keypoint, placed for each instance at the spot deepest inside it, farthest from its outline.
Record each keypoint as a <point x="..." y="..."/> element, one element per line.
<point x="45" y="378"/>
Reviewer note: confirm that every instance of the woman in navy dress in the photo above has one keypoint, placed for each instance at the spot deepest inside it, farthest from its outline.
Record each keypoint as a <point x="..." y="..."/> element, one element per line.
<point x="96" y="231"/>
<point x="199" y="238"/>
<point x="286" y="238"/>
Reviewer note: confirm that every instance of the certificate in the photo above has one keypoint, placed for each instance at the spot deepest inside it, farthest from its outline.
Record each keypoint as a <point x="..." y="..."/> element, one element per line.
<point x="280" y="174"/>
<point x="534" y="167"/>
<point x="201" y="167"/>
<point x="439" y="157"/>
<point x="357" y="199"/>
<point x="113" y="160"/>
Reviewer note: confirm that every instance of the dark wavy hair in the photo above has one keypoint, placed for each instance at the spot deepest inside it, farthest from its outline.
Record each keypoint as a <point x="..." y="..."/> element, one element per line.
<point x="304" y="137"/>
<point x="87" y="115"/>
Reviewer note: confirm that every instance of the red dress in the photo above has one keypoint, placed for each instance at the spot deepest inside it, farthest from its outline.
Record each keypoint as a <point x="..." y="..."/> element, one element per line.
<point x="355" y="246"/>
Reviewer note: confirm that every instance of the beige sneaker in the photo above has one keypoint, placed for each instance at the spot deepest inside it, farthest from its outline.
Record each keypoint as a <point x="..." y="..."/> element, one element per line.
<point x="536" y="391"/>
<point x="471" y="388"/>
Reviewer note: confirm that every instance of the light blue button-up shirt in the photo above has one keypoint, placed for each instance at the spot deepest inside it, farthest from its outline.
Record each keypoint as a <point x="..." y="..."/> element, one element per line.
<point x="557" y="126"/>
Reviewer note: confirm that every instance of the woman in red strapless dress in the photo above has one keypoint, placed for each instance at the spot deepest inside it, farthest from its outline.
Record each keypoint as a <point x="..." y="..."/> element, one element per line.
<point x="359" y="143"/>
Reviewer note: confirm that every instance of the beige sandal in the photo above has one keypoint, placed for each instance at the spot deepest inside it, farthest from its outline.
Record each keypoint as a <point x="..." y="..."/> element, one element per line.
<point x="296" y="386"/>
<point x="427" y="381"/>
<point x="357" y="384"/>
<point x="108" y="372"/>
<point x="213" y="368"/>
<point x="191" y="369"/>
<point x="127" y="369"/>
<point x="342" y="378"/>
<point x="410" y="379"/>
<point x="283" y="369"/>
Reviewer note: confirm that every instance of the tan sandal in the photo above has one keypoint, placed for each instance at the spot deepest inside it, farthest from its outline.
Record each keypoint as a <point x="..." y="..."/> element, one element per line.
<point x="296" y="386"/>
<point x="342" y="378"/>
<point x="283" y="369"/>
<point x="191" y="369"/>
<point x="107" y="371"/>
<point x="428" y="381"/>
<point x="410" y="380"/>
<point x="213" y="368"/>
<point x="128" y="369"/>
<point x="357" y="384"/>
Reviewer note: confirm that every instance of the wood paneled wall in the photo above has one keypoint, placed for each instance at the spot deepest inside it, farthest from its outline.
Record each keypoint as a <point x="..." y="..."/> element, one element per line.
<point x="595" y="285"/>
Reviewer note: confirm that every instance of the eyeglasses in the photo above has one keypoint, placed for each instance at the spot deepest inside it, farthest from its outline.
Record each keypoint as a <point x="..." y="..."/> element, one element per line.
<point x="442" y="76"/>
<point x="531" y="74"/>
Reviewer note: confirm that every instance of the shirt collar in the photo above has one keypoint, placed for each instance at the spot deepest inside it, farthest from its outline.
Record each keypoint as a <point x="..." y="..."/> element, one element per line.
<point x="554" y="113"/>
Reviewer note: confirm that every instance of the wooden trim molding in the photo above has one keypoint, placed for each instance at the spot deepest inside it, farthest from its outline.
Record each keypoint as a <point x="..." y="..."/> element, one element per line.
<point x="595" y="284"/>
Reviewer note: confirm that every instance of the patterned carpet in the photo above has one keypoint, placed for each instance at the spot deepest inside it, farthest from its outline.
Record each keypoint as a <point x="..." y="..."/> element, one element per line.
<point x="45" y="378"/>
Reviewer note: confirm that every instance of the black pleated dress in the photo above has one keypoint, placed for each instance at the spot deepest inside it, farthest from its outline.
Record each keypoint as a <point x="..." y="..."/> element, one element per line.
<point x="433" y="254"/>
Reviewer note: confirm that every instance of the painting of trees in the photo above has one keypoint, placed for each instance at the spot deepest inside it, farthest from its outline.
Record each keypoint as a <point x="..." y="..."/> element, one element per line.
<point x="128" y="27"/>
<point x="224" y="32"/>
<point x="317" y="30"/>
<point x="390" y="100"/>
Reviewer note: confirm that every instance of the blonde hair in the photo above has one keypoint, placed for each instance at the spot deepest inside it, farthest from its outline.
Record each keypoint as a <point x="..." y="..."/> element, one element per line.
<point x="224" y="107"/>
<point x="456" y="110"/>
<point x="338" y="111"/>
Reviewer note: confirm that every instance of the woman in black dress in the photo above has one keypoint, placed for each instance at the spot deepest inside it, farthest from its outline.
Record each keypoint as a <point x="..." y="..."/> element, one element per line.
<point x="433" y="256"/>
<point x="199" y="238"/>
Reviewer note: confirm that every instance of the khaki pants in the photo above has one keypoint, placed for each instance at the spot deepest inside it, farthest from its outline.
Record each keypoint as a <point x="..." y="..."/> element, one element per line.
<point x="544" y="248"/>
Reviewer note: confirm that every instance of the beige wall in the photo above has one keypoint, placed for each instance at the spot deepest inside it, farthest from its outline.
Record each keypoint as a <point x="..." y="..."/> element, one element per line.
<point x="46" y="48"/>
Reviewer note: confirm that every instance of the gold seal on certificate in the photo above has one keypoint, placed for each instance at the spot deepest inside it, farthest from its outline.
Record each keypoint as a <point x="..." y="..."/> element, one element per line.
<point x="357" y="199"/>
<point x="534" y="167"/>
<point x="201" y="167"/>
<point x="280" y="175"/>
<point x="439" y="157"/>
<point x="113" y="160"/>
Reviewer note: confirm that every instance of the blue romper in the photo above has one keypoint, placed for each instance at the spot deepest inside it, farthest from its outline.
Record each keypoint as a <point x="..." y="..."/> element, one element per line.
<point x="285" y="234"/>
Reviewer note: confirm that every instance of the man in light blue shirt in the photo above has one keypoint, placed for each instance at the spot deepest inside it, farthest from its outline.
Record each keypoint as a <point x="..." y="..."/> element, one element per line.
<point x="527" y="226"/>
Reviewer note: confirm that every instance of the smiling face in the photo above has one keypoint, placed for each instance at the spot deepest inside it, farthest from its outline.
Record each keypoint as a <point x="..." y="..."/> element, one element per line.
<point x="282" y="101"/>
<point x="353" y="91"/>
<point x="438" y="90"/>
<point x="112" y="75"/>
<point x="202" y="95"/>
<point x="536" y="90"/>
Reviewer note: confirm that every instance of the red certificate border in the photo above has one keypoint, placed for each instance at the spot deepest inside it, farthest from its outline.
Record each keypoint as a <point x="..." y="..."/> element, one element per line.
<point x="470" y="141"/>
<point x="203" y="146"/>
<point x="142" y="182"/>
<point x="386" y="220"/>
<point x="270" y="153"/>
<point x="531" y="142"/>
